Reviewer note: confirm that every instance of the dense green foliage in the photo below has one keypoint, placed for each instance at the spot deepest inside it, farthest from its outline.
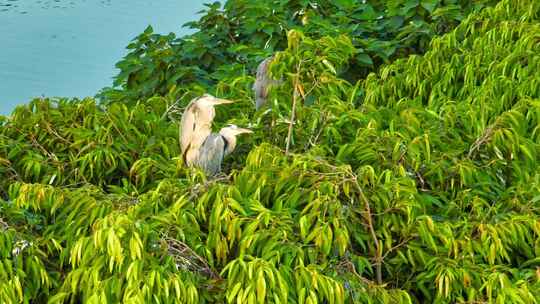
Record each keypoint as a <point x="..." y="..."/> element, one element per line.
<point x="233" y="39"/>
<point x="417" y="184"/>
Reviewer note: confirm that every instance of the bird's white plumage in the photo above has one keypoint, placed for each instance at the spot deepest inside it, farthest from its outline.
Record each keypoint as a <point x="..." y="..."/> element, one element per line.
<point x="196" y="125"/>
<point x="199" y="146"/>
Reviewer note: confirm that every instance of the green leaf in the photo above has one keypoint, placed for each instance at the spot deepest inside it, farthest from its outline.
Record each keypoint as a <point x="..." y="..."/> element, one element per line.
<point x="429" y="5"/>
<point x="364" y="59"/>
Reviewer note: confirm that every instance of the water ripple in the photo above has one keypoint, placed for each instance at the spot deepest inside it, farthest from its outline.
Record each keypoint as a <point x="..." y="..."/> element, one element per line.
<point x="23" y="7"/>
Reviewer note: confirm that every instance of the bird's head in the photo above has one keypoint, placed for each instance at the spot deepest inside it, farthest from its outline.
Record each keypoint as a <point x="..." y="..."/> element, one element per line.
<point x="233" y="130"/>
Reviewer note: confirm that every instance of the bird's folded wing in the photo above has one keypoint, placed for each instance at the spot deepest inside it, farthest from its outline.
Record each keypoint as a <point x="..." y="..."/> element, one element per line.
<point x="211" y="154"/>
<point x="187" y="125"/>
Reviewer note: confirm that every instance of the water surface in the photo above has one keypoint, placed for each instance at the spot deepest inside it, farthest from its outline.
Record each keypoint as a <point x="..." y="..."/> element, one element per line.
<point x="68" y="48"/>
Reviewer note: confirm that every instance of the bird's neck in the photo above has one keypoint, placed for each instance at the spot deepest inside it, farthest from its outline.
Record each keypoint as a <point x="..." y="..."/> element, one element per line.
<point x="230" y="142"/>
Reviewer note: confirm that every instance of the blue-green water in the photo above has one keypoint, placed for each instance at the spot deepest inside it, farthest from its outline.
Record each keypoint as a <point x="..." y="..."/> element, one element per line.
<point x="69" y="47"/>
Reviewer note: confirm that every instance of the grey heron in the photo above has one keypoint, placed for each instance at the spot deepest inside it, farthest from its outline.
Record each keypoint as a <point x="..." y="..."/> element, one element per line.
<point x="216" y="146"/>
<point x="196" y="125"/>
<point x="263" y="82"/>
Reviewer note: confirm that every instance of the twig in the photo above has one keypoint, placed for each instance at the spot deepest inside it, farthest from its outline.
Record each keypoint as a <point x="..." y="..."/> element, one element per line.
<point x="173" y="105"/>
<point x="116" y="128"/>
<point x="369" y="219"/>
<point x="349" y="266"/>
<point x="7" y="164"/>
<point x="53" y="131"/>
<point x="289" y="135"/>
<point x="34" y="143"/>
<point x="232" y="38"/>
<point x="402" y="243"/>
<point x="420" y="178"/>
<point x="293" y="112"/>
<point x="481" y="140"/>
<point x="313" y="141"/>
<point x="188" y="258"/>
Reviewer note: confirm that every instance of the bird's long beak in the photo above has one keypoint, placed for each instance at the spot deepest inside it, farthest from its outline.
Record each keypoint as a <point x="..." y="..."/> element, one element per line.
<point x="218" y="101"/>
<point x="242" y="131"/>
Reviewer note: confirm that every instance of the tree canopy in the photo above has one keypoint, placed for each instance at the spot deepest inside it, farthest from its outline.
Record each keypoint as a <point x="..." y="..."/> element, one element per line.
<point x="411" y="179"/>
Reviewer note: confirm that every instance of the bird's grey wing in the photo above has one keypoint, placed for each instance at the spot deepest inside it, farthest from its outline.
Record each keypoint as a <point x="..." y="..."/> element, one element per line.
<point x="211" y="154"/>
<point x="262" y="69"/>
<point x="262" y="81"/>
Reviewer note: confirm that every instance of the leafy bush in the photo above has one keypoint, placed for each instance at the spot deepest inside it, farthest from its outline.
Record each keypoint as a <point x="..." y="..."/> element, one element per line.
<point x="417" y="184"/>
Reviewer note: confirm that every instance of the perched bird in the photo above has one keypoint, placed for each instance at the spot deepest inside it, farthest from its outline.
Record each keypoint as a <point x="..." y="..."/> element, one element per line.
<point x="263" y="82"/>
<point x="216" y="147"/>
<point x="196" y="125"/>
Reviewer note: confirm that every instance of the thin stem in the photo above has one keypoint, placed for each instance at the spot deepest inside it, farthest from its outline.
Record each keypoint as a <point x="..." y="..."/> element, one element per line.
<point x="289" y="135"/>
<point x="293" y="112"/>
<point x="369" y="218"/>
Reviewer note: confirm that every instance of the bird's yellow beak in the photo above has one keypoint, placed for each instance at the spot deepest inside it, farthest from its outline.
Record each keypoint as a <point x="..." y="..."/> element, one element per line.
<point x="242" y="131"/>
<point x="218" y="101"/>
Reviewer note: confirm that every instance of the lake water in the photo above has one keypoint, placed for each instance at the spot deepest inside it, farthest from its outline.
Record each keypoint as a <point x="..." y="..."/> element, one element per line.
<point x="69" y="47"/>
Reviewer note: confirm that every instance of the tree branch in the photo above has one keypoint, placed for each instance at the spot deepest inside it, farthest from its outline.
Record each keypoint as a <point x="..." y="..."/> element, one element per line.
<point x="369" y="218"/>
